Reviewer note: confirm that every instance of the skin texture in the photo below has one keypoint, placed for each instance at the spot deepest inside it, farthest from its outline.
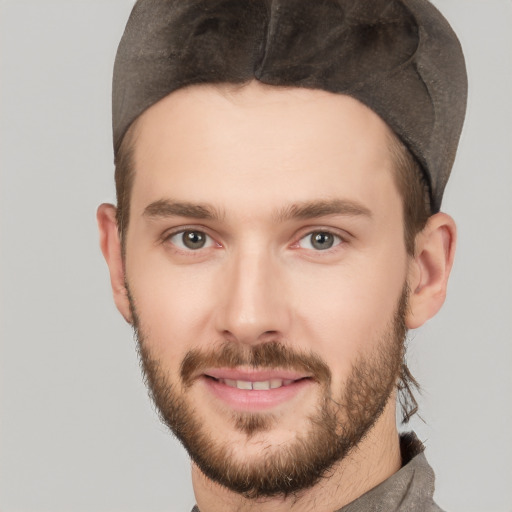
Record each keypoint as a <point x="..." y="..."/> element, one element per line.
<point x="251" y="157"/>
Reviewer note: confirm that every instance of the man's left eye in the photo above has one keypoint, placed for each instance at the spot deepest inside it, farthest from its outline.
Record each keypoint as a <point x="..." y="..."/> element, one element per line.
<point x="191" y="240"/>
<point x="319" y="241"/>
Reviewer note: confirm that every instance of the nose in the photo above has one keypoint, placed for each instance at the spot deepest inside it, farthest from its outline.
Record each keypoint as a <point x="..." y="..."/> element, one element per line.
<point x="254" y="306"/>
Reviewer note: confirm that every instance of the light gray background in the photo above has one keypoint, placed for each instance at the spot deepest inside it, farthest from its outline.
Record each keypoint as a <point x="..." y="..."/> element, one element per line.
<point x="77" y="430"/>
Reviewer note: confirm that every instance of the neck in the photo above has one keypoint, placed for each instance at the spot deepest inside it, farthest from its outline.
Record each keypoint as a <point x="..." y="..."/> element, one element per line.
<point x="372" y="461"/>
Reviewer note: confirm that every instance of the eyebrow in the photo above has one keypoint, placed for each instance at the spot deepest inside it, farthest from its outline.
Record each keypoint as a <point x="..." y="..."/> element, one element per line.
<point x="321" y="208"/>
<point x="163" y="208"/>
<point x="170" y="208"/>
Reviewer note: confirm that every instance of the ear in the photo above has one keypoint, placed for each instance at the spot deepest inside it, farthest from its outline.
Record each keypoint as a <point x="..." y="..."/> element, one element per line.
<point x="110" y="244"/>
<point x="430" y="268"/>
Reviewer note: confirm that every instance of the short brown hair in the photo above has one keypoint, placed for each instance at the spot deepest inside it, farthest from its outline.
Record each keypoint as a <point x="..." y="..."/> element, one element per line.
<point x="124" y="175"/>
<point x="414" y="191"/>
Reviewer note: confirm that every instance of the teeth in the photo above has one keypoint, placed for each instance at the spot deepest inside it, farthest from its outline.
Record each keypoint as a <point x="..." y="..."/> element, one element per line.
<point x="263" y="385"/>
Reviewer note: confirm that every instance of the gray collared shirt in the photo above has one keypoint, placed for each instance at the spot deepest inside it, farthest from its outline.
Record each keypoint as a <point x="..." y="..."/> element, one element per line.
<point x="410" y="489"/>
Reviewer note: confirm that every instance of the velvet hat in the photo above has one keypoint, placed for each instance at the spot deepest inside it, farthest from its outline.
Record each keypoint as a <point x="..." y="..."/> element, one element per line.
<point x="401" y="58"/>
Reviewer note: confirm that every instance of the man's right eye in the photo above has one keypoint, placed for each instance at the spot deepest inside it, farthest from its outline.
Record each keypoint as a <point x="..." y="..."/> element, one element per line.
<point x="191" y="240"/>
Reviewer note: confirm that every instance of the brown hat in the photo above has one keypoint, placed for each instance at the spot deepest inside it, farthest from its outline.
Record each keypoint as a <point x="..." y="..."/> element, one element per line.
<point x="399" y="57"/>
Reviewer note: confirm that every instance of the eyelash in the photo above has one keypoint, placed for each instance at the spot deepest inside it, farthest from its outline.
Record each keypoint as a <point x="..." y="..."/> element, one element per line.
<point x="338" y="240"/>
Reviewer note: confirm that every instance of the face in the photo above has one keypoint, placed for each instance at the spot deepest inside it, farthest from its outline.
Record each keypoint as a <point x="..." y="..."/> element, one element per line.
<point x="267" y="271"/>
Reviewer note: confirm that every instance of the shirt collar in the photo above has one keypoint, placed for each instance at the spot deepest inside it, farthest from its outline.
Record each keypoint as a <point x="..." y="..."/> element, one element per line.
<point x="410" y="488"/>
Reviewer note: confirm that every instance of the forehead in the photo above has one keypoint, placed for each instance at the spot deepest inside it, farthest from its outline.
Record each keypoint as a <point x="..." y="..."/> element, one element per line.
<point x="259" y="142"/>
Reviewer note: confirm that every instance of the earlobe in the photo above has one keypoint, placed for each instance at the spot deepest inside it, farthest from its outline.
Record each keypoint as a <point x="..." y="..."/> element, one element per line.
<point x="110" y="244"/>
<point x="430" y="269"/>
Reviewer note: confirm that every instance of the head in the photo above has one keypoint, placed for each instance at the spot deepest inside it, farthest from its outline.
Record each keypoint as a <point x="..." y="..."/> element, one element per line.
<point x="416" y="210"/>
<point x="276" y="236"/>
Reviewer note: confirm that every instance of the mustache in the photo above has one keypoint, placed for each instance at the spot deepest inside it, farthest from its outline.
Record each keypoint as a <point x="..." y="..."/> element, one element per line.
<point x="268" y="355"/>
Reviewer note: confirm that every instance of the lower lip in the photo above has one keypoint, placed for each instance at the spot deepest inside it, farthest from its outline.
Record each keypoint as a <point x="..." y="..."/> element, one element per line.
<point x="255" y="400"/>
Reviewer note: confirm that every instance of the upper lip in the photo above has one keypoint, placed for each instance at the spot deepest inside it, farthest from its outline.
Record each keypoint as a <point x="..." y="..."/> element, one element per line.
<point x="253" y="375"/>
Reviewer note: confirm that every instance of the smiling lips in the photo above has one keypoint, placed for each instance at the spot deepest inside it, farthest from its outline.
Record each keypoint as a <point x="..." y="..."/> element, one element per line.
<point x="258" y="385"/>
<point x="253" y="391"/>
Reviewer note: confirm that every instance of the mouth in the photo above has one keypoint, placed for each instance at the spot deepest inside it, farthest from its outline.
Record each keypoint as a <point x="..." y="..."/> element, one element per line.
<point x="254" y="390"/>
<point x="255" y="385"/>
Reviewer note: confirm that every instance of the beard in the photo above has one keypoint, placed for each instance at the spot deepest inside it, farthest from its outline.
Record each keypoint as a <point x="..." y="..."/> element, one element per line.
<point x="337" y="425"/>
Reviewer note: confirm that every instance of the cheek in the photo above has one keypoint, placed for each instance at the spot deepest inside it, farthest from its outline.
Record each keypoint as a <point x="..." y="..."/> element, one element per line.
<point x="346" y="313"/>
<point x="173" y="305"/>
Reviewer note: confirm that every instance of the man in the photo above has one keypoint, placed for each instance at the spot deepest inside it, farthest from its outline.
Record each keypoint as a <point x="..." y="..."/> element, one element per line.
<point x="280" y="167"/>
